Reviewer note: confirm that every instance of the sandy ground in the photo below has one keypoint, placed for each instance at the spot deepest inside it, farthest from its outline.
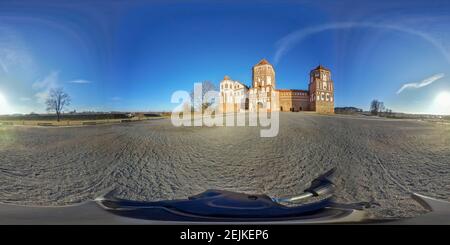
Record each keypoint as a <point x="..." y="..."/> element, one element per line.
<point x="377" y="160"/>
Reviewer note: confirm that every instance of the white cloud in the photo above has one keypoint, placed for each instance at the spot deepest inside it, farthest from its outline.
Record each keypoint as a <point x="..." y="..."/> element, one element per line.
<point x="50" y="80"/>
<point x="423" y="83"/>
<point x="80" y="81"/>
<point x="3" y="66"/>
<point x="292" y="39"/>
<point x="14" y="54"/>
<point x="45" y="85"/>
<point x="42" y="96"/>
<point x="25" y="99"/>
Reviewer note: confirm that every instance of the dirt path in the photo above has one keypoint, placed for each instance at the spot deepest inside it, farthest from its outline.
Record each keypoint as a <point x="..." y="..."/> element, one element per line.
<point x="377" y="160"/>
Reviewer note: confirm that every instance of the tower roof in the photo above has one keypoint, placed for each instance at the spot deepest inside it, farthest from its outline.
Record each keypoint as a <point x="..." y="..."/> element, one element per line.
<point x="226" y="77"/>
<point x="321" y="67"/>
<point x="263" y="62"/>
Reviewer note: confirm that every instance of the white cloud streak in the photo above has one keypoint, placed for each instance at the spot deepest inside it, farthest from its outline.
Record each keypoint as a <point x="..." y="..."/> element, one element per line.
<point x="49" y="82"/>
<point x="45" y="85"/>
<point x="421" y="84"/>
<point x="80" y="81"/>
<point x="292" y="39"/>
<point x="14" y="54"/>
<point x="4" y="67"/>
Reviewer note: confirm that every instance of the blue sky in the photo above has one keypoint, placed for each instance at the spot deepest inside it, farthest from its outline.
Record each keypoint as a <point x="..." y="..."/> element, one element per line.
<point x="117" y="55"/>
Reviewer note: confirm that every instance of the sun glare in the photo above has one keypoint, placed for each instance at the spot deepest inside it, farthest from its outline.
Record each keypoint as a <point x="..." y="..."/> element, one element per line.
<point x="4" y="106"/>
<point x="442" y="103"/>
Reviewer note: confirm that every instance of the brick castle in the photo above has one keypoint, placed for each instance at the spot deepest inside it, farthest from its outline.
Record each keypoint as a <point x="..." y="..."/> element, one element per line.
<point x="263" y="95"/>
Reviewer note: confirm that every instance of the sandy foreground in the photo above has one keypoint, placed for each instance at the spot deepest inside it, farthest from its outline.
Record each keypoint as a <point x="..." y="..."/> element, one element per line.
<point x="377" y="160"/>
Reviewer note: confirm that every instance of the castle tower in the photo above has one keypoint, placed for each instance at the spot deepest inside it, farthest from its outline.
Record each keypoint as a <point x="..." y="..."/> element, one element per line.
<point x="321" y="90"/>
<point x="263" y="74"/>
<point x="263" y="92"/>
<point x="226" y="95"/>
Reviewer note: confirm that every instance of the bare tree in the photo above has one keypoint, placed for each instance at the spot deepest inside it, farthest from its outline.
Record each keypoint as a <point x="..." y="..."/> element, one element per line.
<point x="56" y="101"/>
<point x="381" y="107"/>
<point x="376" y="107"/>
<point x="197" y="101"/>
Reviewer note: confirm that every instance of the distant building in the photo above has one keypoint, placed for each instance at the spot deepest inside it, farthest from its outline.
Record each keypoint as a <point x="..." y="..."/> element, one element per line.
<point x="236" y="96"/>
<point x="347" y="110"/>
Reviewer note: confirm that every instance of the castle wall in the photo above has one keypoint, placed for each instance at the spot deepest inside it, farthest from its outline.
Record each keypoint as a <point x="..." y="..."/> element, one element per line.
<point x="293" y="100"/>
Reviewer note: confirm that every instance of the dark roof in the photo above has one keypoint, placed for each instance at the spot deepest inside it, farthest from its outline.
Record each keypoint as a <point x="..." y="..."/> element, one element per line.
<point x="321" y="67"/>
<point x="263" y="62"/>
